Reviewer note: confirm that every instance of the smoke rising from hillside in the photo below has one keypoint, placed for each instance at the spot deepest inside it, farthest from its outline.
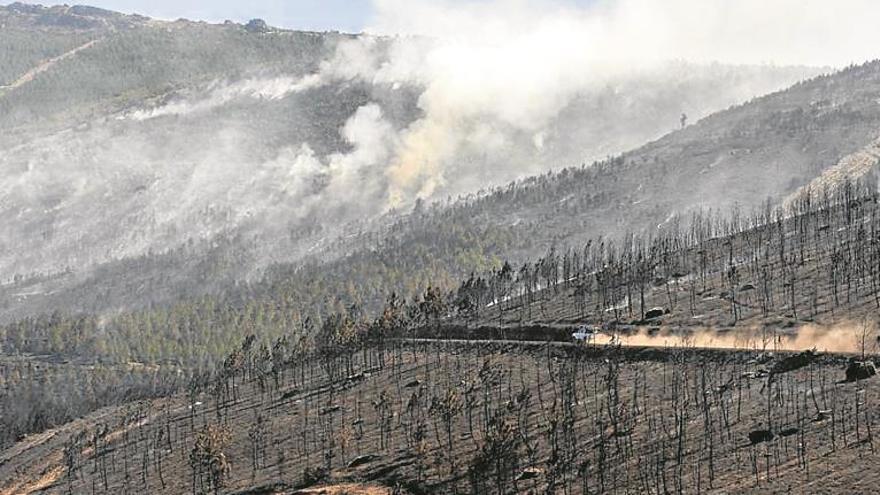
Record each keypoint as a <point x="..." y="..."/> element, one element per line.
<point x="498" y="74"/>
<point x="493" y="92"/>
<point x="621" y="32"/>
<point x="222" y="94"/>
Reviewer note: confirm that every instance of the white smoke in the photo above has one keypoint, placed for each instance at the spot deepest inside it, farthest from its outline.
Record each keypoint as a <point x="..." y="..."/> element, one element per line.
<point x="626" y="32"/>
<point x="351" y="185"/>
<point x="499" y="75"/>
<point x="490" y="91"/>
<point x="220" y="94"/>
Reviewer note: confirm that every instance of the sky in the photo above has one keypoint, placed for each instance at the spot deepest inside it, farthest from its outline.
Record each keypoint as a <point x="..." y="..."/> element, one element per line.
<point x="318" y="15"/>
<point x="798" y="32"/>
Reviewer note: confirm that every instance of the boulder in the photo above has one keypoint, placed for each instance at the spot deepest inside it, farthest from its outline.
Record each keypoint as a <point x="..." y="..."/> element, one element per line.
<point x="256" y="26"/>
<point x="329" y="410"/>
<point x="860" y="370"/>
<point x="363" y="459"/>
<point x="654" y="313"/>
<point x="528" y="474"/>
<point x="792" y="363"/>
<point x="758" y="436"/>
<point x="787" y="432"/>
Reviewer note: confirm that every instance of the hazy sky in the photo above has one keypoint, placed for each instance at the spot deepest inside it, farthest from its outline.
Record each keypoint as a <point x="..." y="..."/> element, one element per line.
<point x="809" y="32"/>
<point x="342" y="15"/>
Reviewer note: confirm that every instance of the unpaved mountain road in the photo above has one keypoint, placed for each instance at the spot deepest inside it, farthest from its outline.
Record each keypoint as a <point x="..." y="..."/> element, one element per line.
<point x="44" y="66"/>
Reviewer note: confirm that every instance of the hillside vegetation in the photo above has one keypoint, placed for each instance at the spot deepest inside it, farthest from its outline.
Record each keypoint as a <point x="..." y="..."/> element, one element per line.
<point x="775" y="279"/>
<point x="475" y="419"/>
<point x="352" y="403"/>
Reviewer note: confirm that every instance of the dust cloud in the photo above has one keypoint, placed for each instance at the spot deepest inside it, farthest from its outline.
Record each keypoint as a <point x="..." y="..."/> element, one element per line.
<point x="844" y="337"/>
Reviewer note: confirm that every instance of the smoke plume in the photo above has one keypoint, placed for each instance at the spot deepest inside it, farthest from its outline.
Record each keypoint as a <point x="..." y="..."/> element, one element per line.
<point x="453" y="98"/>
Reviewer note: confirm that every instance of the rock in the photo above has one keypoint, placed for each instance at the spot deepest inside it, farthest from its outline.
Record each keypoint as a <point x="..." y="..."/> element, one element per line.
<point x="256" y="26"/>
<point x="788" y="432"/>
<point x="860" y="370"/>
<point x="289" y="394"/>
<point x="758" y="436"/>
<point x="363" y="459"/>
<point x="654" y="313"/>
<point x="529" y="474"/>
<point x="792" y="363"/>
<point x="330" y="409"/>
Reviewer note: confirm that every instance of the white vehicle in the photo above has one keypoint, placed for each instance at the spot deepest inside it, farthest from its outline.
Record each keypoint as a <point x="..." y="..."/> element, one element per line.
<point x="585" y="334"/>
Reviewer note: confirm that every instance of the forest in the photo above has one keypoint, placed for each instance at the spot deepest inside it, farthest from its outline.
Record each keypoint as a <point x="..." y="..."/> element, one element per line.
<point x="814" y="263"/>
<point x="443" y="417"/>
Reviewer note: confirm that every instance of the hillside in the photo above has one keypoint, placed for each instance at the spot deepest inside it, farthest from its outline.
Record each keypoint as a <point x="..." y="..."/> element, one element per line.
<point x="791" y="279"/>
<point x="475" y="419"/>
<point x="175" y="145"/>
<point x="772" y="279"/>
<point x="711" y="392"/>
<point x="768" y="148"/>
<point x="226" y="265"/>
